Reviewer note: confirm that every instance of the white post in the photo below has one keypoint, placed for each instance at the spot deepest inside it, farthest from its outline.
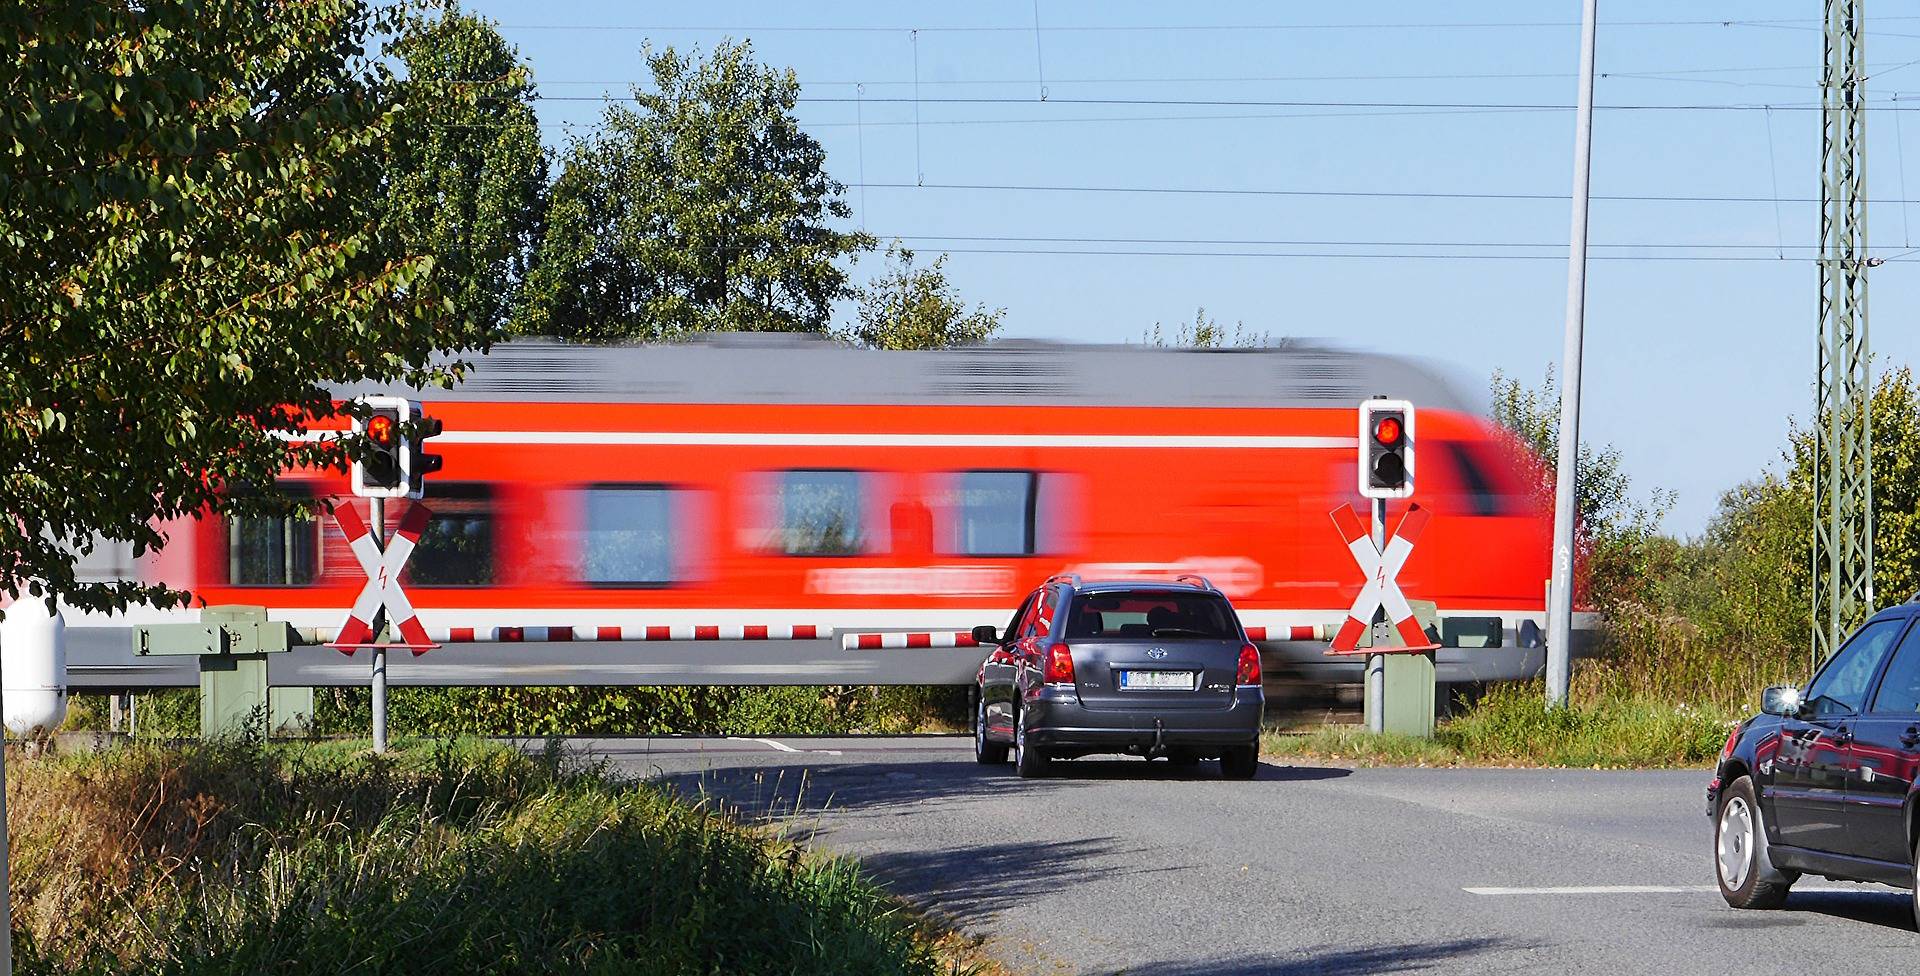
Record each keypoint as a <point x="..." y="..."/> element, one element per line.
<point x="1560" y="600"/>
<point x="377" y="514"/>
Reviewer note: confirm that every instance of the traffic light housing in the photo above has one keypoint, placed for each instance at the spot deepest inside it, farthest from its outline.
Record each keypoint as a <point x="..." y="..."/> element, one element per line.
<point x="419" y="462"/>
<point x="1386" y="449"/>
<point x="395" y="463"/>
<point x="379" y="473"/>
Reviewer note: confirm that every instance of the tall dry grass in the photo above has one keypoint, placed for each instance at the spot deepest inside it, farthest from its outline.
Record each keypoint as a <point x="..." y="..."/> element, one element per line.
<point x="231" y="858"/>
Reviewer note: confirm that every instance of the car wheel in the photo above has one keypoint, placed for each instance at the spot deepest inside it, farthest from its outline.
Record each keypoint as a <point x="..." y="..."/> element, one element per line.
<point x="1028" y="760"/>
<point x="1916" y="882"/>
<point x="1740" y="852"/>
<point x="1240" y="762"/>
<point x="984" y="752"/>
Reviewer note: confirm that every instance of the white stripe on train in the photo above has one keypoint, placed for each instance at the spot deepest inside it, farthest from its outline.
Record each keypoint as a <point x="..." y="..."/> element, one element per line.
<point x="649" y="438"/>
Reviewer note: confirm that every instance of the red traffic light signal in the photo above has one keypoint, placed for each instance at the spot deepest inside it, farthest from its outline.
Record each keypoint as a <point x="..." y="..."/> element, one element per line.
<point x="380" y="430"/>
<point x="1387" y="430"/>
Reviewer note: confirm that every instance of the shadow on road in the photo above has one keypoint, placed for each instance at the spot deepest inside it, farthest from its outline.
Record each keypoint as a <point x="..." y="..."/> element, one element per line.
<point x="1889" y="908"/>
<point x="967" y="883"/>
<point x="778" y="791"/>
<point x="1409" y="957"/>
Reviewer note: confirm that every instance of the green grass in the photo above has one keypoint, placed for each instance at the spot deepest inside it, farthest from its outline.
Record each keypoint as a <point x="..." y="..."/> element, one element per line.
<point x="1511" y="726"/>
<point x="443" y="858"/>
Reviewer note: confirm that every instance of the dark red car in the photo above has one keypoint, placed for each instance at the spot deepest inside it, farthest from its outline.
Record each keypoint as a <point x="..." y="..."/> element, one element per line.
<point x="1822" y="781"/>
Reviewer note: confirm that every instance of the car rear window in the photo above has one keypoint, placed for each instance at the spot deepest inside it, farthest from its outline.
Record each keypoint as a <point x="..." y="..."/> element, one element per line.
<point x="1150" y="615"/>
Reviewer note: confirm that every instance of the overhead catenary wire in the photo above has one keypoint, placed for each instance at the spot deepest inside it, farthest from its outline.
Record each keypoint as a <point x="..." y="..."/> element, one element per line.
<point x="1883" y="106"/>
<point x="1806" y="23"/>
<point x="1381" y="194"/>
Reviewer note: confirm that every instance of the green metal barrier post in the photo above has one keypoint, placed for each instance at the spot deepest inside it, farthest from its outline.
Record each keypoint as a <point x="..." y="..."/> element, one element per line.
<point x="232" y="643"/>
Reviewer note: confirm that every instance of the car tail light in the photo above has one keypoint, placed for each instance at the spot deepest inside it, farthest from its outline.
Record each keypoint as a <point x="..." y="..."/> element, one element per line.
<point x="1733" y="739"/>
<point x="1249" y="665"/>
<point x="1060" y="665"/>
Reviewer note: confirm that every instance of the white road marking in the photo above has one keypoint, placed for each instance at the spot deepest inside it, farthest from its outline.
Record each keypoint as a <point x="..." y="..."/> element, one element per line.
<point x="783" y="747"/>
<point x="1639" y="890"/>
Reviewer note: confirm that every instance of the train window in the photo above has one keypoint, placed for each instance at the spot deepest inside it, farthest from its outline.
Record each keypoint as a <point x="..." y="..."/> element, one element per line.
<point x="821" y="512"/>
<point x="630" y="535"/>
<point x="457" y="547"/>
<point x="992" y="513"/>
<point x="1479" y="491"/>
<point x="273" y="550"/>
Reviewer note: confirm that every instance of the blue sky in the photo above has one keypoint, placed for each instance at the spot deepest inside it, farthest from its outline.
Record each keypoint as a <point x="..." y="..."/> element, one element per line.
<point x="1693" y="366"/>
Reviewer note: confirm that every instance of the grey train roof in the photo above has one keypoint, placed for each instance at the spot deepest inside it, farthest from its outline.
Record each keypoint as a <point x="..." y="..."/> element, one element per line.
<point x="770" y="368"/>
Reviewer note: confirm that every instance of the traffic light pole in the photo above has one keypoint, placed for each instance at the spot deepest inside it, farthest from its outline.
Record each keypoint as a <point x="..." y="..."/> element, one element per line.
<point x="377" y="512"/>
<point x="1376" y="691"/>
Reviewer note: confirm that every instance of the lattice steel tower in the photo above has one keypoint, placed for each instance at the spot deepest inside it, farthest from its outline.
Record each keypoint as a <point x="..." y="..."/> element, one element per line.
<point x="1843" y="465"/>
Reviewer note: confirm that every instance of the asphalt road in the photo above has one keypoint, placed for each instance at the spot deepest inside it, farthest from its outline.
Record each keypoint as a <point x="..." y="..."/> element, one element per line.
<point x="1120" y="866"/>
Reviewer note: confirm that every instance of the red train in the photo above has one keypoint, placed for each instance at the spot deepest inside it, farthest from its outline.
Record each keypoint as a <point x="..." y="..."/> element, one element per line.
<point x="752" y="481"/>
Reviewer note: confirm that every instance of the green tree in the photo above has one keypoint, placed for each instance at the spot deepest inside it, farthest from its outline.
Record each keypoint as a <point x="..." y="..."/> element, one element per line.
<point x="909" y="308"/>
<point x="702" y="206"/>
<point x="468" y="177"/>
<point x="1615" y="528"/>
<point x="190" y="235"/>
<point x="1207" y="333"/>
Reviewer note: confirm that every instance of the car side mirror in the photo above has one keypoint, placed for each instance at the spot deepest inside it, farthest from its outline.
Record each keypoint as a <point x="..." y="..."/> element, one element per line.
<point x="986" y="634"/>
<point x="1781" y="700"/>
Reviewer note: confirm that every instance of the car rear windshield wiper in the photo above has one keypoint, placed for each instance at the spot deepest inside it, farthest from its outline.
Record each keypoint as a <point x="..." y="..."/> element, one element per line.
<point x="1181" y="632"/>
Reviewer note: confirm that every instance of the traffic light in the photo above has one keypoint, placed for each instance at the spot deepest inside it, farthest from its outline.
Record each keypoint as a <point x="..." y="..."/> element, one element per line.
<point x="380" y="471"/>
<point x="419" y="462"/>
<point x="1386" y="449"/>
<point x="395" y="463"/>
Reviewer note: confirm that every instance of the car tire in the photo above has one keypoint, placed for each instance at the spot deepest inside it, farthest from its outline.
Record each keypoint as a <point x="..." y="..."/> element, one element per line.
<point x="984" y="752"/>
<point x="1914" y="895"/>
<point x="1028" y="760"/>
<point x="1240" y="762"/>
<point x="1741" y="866"/>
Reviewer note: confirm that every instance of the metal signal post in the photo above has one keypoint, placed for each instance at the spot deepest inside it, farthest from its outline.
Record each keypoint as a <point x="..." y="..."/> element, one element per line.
<point x="1386" y="471"/>
<point x="377" y="515"/>
<point x="396" y="466"/>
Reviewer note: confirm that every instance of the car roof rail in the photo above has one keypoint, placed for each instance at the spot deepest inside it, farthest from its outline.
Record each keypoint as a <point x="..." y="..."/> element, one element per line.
<point x="1200" y="581"/>
<point x="1071" y="579"/>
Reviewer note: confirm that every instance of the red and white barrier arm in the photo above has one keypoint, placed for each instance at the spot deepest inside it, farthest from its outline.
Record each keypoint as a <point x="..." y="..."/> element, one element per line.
<point x="1297" y="632"/>
<point x="878" y="642"/>
<point x="594" y="632"/>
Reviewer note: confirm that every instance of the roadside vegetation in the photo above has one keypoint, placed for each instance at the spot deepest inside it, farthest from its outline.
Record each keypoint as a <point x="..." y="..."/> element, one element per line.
<point x="455" y="857"/>
<point x="1510" y="726"/>
<point x="558" y="711"/>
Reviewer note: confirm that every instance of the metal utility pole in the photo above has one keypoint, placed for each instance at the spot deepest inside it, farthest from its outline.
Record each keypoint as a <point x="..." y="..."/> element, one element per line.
<point x="1560" y="596"/>
<point x="1843" y="440"/>
<point x="377" y="515"/>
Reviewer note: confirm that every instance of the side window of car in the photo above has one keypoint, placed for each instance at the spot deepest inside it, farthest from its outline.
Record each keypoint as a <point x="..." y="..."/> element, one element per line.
<point x="1041" y="622"/>
<point x="1841" y="687"/>
<point x="1012" y="633"/>
<point x="1900" y="689"/>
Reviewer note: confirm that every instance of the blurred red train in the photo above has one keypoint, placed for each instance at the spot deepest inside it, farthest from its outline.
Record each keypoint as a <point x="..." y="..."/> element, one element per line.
<point x="776" y="480"/>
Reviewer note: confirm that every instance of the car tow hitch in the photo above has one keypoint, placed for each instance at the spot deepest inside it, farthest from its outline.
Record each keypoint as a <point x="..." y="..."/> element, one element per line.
<point x="1159" y="747"/>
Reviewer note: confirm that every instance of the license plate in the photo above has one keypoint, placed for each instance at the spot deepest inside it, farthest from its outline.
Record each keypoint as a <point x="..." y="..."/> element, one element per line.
<point x="1161" y="680"/>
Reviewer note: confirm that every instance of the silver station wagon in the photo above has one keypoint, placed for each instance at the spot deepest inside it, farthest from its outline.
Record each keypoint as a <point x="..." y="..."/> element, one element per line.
<point x="1153" y="669"/>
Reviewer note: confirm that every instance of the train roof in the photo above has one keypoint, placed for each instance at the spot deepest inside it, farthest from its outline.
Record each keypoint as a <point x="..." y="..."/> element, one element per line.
<point x="786" y="368"/>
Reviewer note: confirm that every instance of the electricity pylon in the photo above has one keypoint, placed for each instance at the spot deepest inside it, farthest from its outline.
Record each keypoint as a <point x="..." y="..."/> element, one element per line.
<point x="1842" y="457"/>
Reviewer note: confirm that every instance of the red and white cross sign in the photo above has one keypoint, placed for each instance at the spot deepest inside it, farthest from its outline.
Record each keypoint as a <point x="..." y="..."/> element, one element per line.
<point x="1382" y="589"/>
<point x="383" y="580"/>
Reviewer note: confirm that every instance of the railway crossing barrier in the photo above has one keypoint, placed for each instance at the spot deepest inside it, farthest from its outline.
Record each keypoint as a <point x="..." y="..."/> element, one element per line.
<point x="232" y="644"/>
